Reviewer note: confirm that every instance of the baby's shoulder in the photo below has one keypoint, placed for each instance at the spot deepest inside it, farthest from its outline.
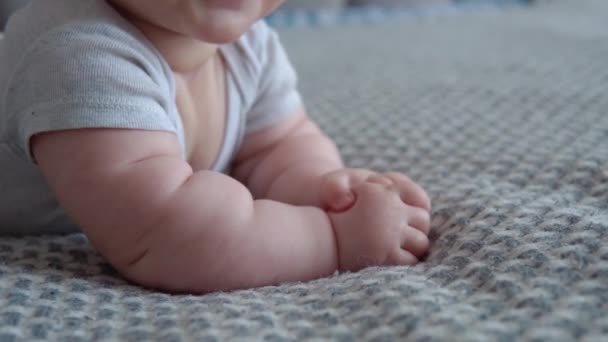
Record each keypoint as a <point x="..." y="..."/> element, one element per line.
<point x="68" y="25"/>
<point x="75" y="41"/>
<point x="257" y="43"/>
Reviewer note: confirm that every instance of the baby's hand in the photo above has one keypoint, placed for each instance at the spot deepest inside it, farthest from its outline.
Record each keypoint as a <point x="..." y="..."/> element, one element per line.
<point x="337" y="193"/>
<point x="380" y="229"/>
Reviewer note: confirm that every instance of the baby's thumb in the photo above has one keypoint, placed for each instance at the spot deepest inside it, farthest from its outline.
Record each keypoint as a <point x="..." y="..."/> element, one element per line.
<point x="336" y="193"/>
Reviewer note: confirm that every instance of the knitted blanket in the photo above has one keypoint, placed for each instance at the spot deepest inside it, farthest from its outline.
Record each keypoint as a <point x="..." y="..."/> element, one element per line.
<point x="502" y="116"/>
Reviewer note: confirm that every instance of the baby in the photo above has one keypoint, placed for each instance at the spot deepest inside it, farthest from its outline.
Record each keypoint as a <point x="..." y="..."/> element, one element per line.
<point x="172" y="134"/>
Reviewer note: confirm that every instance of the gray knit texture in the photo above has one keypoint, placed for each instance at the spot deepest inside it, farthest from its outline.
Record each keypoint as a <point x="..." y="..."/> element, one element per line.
<point x="502" y="116"/>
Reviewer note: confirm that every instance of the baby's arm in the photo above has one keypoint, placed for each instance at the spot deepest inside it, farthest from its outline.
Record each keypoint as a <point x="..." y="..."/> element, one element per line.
<point x="285" y="162"/>
<point x="164" y="226"/>
<point x="294" y="162"/>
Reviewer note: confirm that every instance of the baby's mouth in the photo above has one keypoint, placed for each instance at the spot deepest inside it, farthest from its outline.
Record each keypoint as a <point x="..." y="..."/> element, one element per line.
<point x="227" y="4"/>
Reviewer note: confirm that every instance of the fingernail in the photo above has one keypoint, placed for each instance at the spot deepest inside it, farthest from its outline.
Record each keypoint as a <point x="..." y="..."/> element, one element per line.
<point x="345" y="201"/>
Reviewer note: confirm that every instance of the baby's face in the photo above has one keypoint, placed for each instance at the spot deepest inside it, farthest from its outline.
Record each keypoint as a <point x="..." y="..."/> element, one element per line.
<point x="213" y="21"/>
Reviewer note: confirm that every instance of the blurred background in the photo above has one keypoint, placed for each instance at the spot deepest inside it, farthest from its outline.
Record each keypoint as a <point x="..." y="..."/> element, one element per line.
<point x="7" y="7"/>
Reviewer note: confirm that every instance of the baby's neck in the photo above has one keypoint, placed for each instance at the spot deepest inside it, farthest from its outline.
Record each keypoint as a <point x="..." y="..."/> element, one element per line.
<point x="185" y="55"/>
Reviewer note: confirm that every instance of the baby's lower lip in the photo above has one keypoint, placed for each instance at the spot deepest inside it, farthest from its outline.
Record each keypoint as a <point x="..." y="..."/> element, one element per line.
<point x="228" y="4"/>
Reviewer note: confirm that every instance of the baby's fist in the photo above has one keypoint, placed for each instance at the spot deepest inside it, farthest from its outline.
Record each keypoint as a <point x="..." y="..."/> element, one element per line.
<point x="379" y="229"/>
<point x="336" y="188"/>
<point x="337" y="193"/>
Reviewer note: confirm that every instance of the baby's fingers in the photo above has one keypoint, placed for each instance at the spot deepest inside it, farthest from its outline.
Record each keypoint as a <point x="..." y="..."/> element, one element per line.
<point x="380" y="179"/>
<point x="336" y="191"/>
<point x="411" y="193"/>
<point x="336" y="196"/>
<point x="415" y="242"/>
<point x="418" y="218"/>
<point x="402" y="257"/>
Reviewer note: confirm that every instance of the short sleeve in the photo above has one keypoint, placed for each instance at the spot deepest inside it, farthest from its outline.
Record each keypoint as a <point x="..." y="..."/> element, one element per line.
<point x="277" y="94"/>
<point x="88" y="76"/>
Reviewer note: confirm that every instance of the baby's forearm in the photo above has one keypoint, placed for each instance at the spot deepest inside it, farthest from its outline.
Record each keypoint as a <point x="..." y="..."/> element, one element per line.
<point x="291" y="171"/>
<point x="300" y="184"/>
<point x="234" y="243"/>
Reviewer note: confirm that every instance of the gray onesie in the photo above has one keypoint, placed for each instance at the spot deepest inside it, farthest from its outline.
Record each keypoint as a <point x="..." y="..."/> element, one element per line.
<point x="69" y="64"/>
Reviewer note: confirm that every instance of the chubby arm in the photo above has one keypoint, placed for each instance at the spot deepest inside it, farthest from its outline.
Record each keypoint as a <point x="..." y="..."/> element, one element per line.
<point x="164" y="226"/>
<point x="285" y="162"/>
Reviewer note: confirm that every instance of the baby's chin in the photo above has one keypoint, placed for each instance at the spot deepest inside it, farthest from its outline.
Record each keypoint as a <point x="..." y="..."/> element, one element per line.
<point x="224" y="26"/>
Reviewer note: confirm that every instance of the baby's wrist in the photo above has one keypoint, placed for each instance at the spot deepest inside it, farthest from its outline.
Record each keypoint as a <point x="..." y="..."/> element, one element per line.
<point x="333" y="226"/>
